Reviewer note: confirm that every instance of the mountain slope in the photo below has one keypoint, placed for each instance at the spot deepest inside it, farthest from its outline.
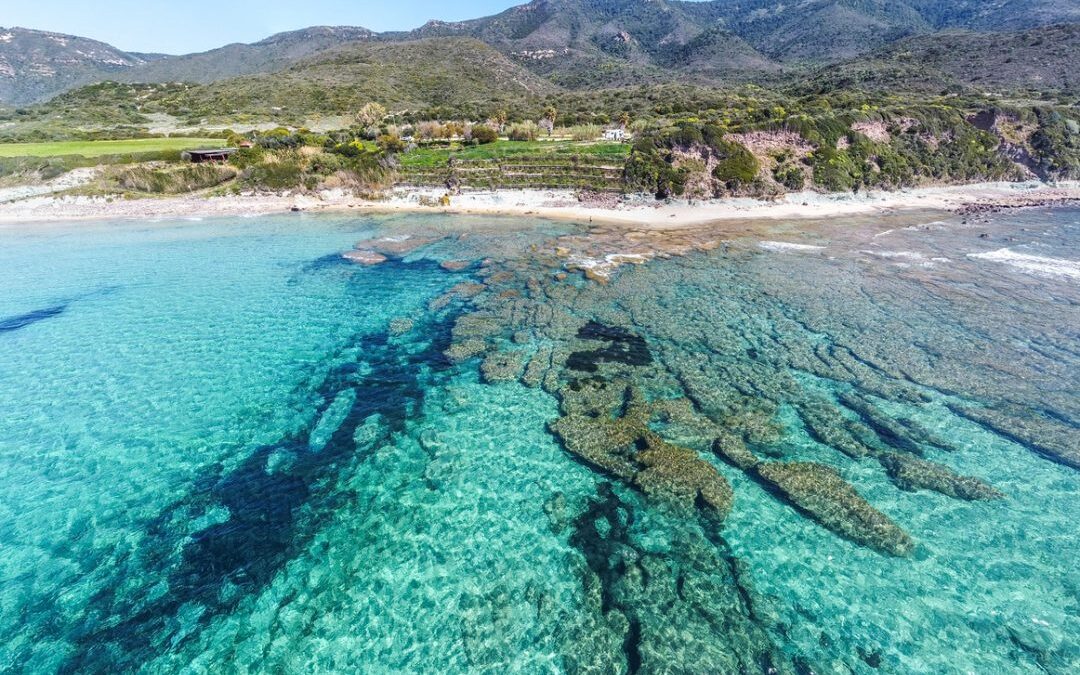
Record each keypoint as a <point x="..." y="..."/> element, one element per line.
<point x="575" y="44"/>
<point x="460" y="74"/>
<point x="1040" y="59"/>
<point x="274" y="53"/>
<point x="586" y="43"/>
<point x="35" y="65"/>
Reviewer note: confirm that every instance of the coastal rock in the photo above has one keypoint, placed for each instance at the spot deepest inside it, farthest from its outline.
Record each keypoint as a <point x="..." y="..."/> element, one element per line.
<point x="401" y="325"/>
<point x="466" y="349"/>
<point x="397" y="246"/>
<point x="678" y="474"/>
<point x="732" y="448"/>
<point x="455" y="265"/>
<point x="819" y="491"/>
<point x="911" y="473"/>
<point x="364" y="257"/>
<point x="502" y="366"/>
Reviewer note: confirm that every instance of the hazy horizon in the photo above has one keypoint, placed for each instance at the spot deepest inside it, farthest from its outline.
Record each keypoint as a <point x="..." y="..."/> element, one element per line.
<point x="136" y="26"/>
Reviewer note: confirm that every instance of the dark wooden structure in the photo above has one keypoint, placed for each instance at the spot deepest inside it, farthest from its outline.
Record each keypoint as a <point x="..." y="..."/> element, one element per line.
<point x="211" y="155"/>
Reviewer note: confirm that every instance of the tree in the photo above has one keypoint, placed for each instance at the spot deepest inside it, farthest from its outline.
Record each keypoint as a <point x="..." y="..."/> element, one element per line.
<point x="551" y="113"/>
<point x="501" y="117"/>
<point x="370" y="114"/>
<point x="624" y="120"/>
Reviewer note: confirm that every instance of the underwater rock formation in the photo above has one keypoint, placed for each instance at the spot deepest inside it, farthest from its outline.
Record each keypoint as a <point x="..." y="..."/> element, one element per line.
<point x="732" y="448"/>
<point x="364" y="257"/>
<point x="1057" y="441"/>
<point x="537" y="368"/>
<point x="679" y="474"/>
<point x="465" y="350"/>
<point x="911" y="473"/>
<point x="820" y="491"/>
<point x="401" y="325"/>
<point x="627" y="448"/>
<point x="502" y="366"/>
<point x="827" y="426"/>
<point x="681" y="607"/>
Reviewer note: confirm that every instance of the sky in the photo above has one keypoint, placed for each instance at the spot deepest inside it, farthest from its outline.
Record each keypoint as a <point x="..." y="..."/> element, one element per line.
<point x="197" y="25"/>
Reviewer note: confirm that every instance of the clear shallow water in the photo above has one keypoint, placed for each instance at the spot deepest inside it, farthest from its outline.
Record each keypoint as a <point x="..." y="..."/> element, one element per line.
<point x="218" y="452"/>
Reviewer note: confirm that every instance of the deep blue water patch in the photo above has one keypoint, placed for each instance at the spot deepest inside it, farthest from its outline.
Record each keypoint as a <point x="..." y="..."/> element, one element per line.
<point x="227" y="561"/>
<point x="30" y="318"/>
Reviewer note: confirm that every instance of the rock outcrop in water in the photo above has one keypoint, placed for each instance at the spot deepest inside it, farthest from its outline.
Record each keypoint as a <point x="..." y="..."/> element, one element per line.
<point x="911" y="473"/>
<point x="687" y="607"/>
<point x="819" y="491"/>
<point x="625" y="446"/>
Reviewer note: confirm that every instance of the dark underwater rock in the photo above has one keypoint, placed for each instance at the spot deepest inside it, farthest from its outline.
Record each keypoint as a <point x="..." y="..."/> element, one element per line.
<point x="731" y="448"/>
<point x="1055" y="440"/>
<point x="819" y="491"/>
<point x="687" y="609"/>
<point x="678" y="474"/>
<point x="911" y="473"/>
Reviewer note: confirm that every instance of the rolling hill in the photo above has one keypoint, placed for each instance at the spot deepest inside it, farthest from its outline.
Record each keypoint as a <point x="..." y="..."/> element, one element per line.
<point x="35" y="65"/>
<point x="274" y="53"/>
<point x="453" y="73"/>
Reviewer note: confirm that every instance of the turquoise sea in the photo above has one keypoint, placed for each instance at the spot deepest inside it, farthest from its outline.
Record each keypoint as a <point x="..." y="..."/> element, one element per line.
<point x="779" y="447"/>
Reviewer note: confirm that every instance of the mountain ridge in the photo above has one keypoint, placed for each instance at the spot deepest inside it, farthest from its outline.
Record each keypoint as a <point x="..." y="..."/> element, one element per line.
<point x="575" y="44"/>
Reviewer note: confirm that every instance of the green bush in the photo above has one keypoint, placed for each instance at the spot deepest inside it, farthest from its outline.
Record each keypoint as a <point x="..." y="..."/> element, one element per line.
<point x="736" y="165"/>
<point x="790" y="176"/>
<point x="282" y="174"/>
<point x="483" y="134"/>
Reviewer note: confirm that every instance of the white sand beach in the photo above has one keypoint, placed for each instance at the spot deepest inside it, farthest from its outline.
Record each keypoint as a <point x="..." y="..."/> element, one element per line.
<point x="639" y="211"/>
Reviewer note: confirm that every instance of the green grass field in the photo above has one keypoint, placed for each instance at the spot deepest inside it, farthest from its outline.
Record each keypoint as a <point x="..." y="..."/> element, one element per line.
<point x="438" y="156"/>
<point x="103" y="148"/>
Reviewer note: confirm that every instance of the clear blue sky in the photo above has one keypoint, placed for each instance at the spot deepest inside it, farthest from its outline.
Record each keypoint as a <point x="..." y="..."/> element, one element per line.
<point x="181" y="26"/>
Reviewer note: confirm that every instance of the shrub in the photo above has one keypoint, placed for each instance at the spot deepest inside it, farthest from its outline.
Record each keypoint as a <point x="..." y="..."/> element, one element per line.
<point x="159" y="180"/>
<point x="283" y="174"/>
<point x="527" y="131"/>
<point x="736" y="165"/>
<point x="790" y="176"/>
<point x="585" y="132"/>
<point x="483" y="134"/>
<point x="390" y="143"/>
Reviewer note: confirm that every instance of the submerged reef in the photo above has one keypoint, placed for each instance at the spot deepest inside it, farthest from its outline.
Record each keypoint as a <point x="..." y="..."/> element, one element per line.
<point x="829" y="499"/>
<point x="679" y="604"/>
<point x="658" y="401"/>
<point x="911" y="473"/>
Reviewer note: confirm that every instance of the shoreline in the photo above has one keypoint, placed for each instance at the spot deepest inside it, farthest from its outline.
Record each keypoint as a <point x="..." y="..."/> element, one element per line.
<point x="962" y="200"/>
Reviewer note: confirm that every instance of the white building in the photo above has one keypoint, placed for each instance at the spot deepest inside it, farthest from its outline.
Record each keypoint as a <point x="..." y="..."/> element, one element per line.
<point x="615" y="135"/>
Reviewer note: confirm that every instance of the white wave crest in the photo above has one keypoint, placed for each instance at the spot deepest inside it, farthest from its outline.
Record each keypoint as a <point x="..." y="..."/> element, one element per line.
<point x="1054" y="267"/>
<point x="781" y="246"/>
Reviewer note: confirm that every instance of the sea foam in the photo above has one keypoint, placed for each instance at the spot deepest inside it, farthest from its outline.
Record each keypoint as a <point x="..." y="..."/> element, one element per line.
<point x="1054" y="267"/>
<point x="781" y="246"/>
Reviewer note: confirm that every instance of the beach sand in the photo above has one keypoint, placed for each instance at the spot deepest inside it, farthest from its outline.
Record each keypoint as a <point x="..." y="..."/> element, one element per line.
<point x="555" y="204"/>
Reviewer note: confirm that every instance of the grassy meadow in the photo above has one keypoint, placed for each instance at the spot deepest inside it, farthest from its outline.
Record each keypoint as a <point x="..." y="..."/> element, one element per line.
<point x="105" y="148"/>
